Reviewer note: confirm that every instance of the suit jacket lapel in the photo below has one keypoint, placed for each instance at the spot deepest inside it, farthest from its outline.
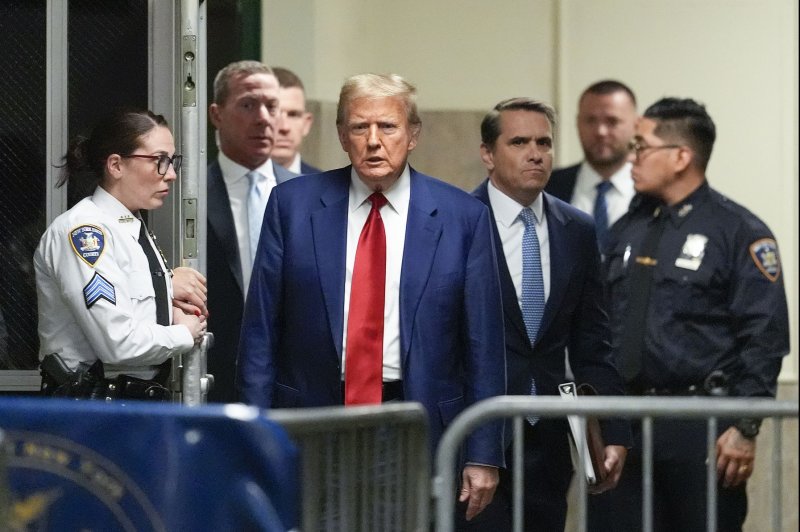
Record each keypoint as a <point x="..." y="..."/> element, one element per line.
<point x="329" y="231"/>
<point x="511" y="307"/>
<point x="423" y="230"/>
<point x="560" y="260"/>
<point x="220" y="218"/>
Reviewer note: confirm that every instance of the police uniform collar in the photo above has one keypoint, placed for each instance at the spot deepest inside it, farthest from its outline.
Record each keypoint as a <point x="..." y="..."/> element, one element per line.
<point x="681" y="211"/>
<point x="124" y="218"/>
<point x="642" y="204"/>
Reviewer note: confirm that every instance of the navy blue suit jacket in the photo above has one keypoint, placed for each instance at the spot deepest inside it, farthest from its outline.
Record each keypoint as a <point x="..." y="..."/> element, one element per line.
<point x="225" y="291"/>
<point x="562" y="182"/>
<point x="574" y="315"/>
<point x="306" y="168"/>
<point x="451" y="325"/>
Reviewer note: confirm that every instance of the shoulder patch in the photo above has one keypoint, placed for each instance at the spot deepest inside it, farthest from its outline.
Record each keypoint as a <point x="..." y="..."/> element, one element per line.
<point x="765" y="255"/>
<point x="88" y="242"/>
<point x="99" y="288"/>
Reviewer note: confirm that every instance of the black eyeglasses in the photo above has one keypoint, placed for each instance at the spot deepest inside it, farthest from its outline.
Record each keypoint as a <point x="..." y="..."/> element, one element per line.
<point x="163" y="160"/>
<point x="638" y="147"/>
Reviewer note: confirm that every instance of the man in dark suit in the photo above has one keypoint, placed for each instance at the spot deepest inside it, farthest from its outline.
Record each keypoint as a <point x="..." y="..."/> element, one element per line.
<point x="245" y="113"/>
<point x="601" y="185"/>
<point x="432" y="330"/>
<point x="517" y="149"/>
<point x="295" y="123"/>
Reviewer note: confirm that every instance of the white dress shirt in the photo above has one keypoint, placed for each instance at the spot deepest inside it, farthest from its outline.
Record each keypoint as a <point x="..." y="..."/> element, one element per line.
<point x="119" y="329"/>
<point x="618" y="197"/>
<point x="511" y="228"/>
<point x="238" y="185"/>
<point x="295" y="165"/>
<point x="394" y="215"/>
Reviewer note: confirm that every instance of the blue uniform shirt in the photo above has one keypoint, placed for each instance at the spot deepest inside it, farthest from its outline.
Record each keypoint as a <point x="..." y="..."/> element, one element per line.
<point x="717" y="300"/>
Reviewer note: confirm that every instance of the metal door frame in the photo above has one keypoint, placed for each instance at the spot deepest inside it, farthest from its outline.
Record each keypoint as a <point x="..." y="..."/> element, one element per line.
<point x="170" y="23"/>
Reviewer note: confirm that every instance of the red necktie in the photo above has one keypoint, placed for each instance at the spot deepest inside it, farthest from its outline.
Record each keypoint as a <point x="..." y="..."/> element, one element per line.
<point x="364" y="352"/>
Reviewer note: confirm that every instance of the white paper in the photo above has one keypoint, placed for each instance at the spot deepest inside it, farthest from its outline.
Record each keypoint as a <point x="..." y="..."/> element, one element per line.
<point x="568" y="391"/>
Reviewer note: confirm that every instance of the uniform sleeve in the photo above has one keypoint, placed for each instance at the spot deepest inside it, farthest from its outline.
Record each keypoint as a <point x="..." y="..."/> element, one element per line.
<point x="758" y="307"/>
<point x="103" y="300"/>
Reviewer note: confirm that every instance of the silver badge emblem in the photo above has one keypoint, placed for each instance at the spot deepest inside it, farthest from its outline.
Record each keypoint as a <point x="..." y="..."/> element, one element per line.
<point x="692" y="253"/>
<point x="686" y="209"/>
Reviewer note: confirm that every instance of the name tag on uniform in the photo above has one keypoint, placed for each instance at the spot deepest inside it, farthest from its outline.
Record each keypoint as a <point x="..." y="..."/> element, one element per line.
<point x="694" y="249"/>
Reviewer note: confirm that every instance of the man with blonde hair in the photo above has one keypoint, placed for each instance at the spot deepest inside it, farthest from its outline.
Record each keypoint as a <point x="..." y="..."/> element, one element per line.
<point x="376" y="283"/>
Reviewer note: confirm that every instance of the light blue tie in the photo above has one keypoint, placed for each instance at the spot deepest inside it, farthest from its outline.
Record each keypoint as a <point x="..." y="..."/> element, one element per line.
<point x="256" y="203"/>
<point x="532" y="284"/>
<point x="601" y="215"/>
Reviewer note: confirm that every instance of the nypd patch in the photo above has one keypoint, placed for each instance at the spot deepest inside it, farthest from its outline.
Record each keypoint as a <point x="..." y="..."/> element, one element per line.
<point x="765" y="255"/>
<point x="99" y="288"/>
<point x="88" y="242"/>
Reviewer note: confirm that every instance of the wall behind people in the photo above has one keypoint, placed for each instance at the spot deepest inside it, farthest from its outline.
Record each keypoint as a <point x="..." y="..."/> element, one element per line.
<point x="552" y="50"/>
<point x="234" y="30"/>
<point x="739" y="58"/>
<point x="454" y="65"/>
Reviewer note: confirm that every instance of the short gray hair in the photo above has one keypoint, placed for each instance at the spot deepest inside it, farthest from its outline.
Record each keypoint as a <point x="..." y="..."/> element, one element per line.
<point x="232" y="70"/>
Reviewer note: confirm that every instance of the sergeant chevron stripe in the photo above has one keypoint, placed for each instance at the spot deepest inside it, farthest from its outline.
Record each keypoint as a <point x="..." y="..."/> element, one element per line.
<point x="99" y="288"/>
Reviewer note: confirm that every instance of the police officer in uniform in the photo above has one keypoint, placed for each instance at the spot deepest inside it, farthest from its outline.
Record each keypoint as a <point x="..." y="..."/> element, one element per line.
<point x="698" y="308"/>
<point x="104" y="290"/>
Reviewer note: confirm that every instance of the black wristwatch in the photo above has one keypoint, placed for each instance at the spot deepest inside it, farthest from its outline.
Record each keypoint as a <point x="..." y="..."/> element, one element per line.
<point x="749" y="427"/>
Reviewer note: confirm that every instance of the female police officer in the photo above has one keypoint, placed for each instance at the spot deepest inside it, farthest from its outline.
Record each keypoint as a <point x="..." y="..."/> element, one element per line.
<point x="103" y="291"/>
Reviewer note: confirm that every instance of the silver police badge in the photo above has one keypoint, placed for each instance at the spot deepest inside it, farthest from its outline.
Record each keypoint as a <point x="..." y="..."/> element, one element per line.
<point x="694" y="249"/>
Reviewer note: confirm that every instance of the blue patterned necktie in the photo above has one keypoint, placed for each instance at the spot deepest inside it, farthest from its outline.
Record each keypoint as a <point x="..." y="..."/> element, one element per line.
<point x="532" y="284"/>
<point x="256" y="203"/>
<point x="601" y="215"/>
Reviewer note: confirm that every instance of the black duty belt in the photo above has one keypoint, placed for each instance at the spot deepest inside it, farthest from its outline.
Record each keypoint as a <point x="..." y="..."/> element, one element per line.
<point x="90" y="383"/>
<point x="716" y="384"/>
<point x="694" y="389"/>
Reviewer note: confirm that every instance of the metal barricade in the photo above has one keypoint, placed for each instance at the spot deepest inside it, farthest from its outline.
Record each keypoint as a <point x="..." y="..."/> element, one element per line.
<point x="363" y="468"/>
<point x="645" y="408"/>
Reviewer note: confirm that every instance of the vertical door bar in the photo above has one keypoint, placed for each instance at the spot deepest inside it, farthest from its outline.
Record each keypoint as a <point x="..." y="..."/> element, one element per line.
<point x="57" y="105"/>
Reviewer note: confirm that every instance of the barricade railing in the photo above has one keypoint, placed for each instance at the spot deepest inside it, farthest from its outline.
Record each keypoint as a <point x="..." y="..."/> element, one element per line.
<point x="363" y="468"/>
<point x="644" y="408"/>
